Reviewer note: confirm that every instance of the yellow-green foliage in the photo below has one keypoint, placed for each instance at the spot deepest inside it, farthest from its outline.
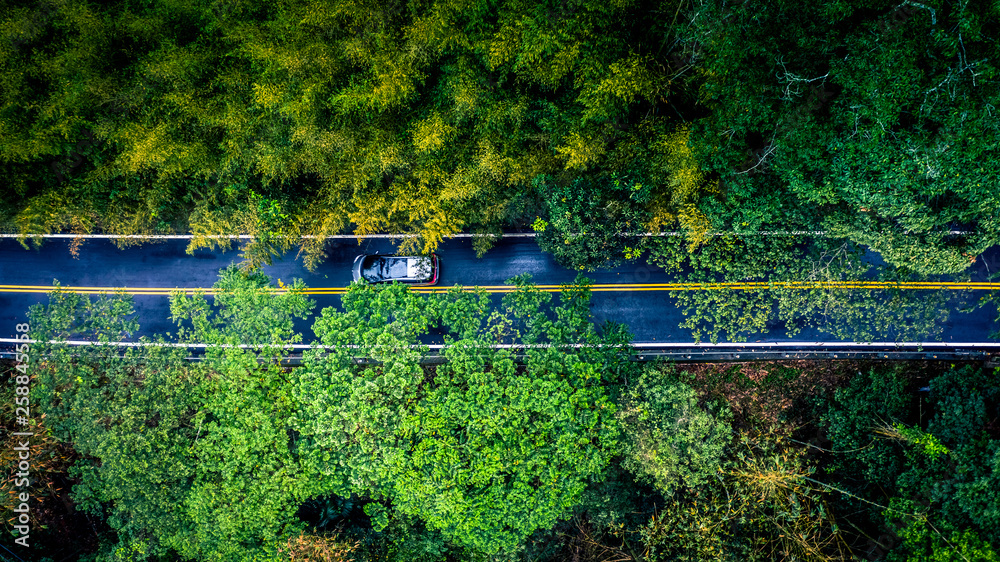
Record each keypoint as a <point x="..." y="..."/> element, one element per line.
<point x="432" y="133"/>
<point x="421" y="121"/>
<point x="581" y="152"/>
<point x="621" y="83"/>
<point x="687" y="184"/>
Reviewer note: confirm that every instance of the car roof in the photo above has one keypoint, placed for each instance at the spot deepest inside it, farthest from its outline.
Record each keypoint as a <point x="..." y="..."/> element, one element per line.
<point x="408" y="268"/>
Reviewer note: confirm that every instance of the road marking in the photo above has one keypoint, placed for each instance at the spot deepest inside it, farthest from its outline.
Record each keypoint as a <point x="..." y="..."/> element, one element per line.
<point x="600" y="287"/>
<point x="738" y="346"/>
<point x="244" y="237"/>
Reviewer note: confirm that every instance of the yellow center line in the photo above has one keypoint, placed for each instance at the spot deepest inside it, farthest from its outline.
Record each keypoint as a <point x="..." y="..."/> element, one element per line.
<point x="600" y="287"/>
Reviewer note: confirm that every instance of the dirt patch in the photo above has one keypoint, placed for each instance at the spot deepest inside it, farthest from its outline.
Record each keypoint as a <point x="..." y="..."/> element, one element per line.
<point x="779" y="392"/>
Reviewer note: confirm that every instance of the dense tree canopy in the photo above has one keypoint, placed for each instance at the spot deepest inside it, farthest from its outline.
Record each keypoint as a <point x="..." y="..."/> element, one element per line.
<point x="212" y="460"/>
<point x="485" y="450"/>
<point x="875" y="115"/>
<point x="533" y="436"/>
<point x="872" y="121"/>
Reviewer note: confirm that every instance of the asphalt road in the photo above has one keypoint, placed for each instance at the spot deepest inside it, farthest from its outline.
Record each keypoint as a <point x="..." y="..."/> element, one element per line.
<point x="651" y="315"/>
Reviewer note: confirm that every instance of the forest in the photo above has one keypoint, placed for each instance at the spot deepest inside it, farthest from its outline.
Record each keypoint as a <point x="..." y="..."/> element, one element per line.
<point x="843" y="129"/>
<point x="557" y="447"/>
<point x="586" y="121"/>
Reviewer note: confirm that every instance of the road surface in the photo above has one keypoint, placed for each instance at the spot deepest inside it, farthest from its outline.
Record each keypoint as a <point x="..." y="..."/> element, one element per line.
<point x="635" y="294"/>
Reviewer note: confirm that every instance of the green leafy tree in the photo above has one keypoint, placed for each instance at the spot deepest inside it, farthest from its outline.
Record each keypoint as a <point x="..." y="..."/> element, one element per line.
<point x="854" y="414"/>
<point x="673" y="441"/>
<point x="183" y="458"/>
<point x="785" y="281"/>
<point x="960" y="484"/>
<point x="922" y="541"/>
<point x="484" y="450"/>
<point x="868" y="119"/>
<point x="589" y="225"/>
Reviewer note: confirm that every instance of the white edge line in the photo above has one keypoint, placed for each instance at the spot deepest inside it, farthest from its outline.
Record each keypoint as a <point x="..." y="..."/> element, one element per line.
<point x="395" y="236"/>
<point x="647" y="345"/>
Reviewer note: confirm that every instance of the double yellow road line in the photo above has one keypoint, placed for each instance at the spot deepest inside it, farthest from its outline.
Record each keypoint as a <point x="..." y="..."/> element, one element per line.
<point x="748" y="286"/>
<point x="599" y="287"/>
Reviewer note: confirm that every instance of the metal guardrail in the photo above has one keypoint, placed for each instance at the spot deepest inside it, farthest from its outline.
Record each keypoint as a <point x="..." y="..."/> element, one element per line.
<point x="653" y="351"/>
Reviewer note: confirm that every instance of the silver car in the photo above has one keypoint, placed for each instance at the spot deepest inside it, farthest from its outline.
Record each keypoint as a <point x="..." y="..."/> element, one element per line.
<point x="412" y="270"/>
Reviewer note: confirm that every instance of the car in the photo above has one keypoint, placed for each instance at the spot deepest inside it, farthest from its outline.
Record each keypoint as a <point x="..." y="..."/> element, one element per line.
<point x="411" y="270"/>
